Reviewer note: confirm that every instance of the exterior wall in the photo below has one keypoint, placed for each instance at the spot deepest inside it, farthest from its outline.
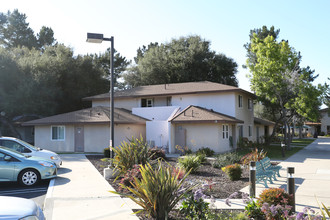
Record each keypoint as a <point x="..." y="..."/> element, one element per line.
<point x="325" y="122"/>
<point x="42" y="139"/>
<point x="156" y="113"/>
<point x="245" y="115"/>
<point x="123" y="132"/>
<point x="105" y="103"/>
<point x="206" y="135"/>
<point x="158" y="133"/>
<point x="96" y="137"/>
<point x="220" y="102"/>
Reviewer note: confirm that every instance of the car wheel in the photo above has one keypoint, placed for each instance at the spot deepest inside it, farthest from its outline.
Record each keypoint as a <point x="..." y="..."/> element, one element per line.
<point x="28" y="177"/>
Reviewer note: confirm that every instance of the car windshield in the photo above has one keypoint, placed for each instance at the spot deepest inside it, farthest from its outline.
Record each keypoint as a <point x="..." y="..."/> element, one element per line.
<point x="29" y="145"/>
<point x="13" y="152"/>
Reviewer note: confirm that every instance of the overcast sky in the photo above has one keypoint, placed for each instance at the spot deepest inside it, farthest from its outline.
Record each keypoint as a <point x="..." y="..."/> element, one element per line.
<point x="306" y="24"/>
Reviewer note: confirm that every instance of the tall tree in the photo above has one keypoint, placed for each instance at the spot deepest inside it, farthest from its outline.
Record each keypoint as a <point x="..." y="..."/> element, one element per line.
<point x="261" y="33"/>
<point x="15" y="31"/>
<point x="120" y="66"/>
<point x="280" y="83"/>
<point x="46" y="37"/>
<point x="185" y="59"/>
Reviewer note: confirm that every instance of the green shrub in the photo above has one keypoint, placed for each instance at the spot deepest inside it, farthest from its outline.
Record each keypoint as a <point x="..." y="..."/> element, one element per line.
<point x="155" y="153"/>
<point x="202" y="158"/>
<point x="233" y="171"/>
<point x="190" y="163"/>
<point x="106" y="152"/>
<point x="275" y="196"/>
<point x="128" y="154"/>
<point x="158" y="191"/>
<point x="225" y="159"/>
<point x="206" y="151"/>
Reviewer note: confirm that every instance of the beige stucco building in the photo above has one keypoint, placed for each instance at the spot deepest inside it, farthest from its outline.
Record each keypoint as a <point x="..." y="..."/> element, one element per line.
<point x="193" y="114"/>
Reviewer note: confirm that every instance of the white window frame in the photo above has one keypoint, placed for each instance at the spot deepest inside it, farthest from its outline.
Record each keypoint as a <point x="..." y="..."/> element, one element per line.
<point x="150" y="102"/>
<point x="240" y="101"/>
<point x="59" y="127"/>
<point x="225" y="131"/>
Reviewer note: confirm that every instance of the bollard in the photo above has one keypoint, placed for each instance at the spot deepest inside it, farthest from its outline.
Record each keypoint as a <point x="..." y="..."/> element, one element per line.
<point x="291" y="187"/>
<point x="252" y="179"/>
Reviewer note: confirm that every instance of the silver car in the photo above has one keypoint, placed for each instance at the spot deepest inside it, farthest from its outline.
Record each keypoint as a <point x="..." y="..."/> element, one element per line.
<point x="28" y="149"/>
<point x="18" y="208"/>
<point x="27" y="170"/>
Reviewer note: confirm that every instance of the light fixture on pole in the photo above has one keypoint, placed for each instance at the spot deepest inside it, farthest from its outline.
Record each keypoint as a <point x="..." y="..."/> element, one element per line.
<point x="98" y="38"/>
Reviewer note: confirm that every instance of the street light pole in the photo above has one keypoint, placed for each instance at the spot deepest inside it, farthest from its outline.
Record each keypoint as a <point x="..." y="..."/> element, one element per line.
<point x="98" y="38"/>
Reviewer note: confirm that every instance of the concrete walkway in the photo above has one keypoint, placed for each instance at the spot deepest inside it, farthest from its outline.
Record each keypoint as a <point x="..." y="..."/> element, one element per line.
<point x="80" y="192"/>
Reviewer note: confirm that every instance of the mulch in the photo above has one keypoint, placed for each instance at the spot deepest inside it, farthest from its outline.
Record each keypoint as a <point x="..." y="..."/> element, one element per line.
<point x="222" y="188"/>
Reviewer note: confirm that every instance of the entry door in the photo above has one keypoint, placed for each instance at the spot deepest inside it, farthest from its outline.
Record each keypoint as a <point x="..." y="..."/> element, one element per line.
<point x="79" y="139"/>
<point x="180" y="136"/>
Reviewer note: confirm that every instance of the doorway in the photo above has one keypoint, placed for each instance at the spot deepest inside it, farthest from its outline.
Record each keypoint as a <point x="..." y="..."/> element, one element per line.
<point x="79" y="139"/>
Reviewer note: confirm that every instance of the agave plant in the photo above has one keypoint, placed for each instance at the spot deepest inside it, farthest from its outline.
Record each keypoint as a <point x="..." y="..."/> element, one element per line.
<point x="158" y="191"/>
<point x="130" y="153"/>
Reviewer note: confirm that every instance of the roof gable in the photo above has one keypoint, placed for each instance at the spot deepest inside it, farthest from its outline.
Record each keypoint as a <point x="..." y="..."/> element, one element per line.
<point x="201" y="115"/>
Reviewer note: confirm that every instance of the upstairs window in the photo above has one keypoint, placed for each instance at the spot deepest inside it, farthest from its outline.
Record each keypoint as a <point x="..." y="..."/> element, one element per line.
<point x="250" y="104"/>
<point x="240" y="101"/>
<point x="147" y="103"/>
<point x="58" y="133"/>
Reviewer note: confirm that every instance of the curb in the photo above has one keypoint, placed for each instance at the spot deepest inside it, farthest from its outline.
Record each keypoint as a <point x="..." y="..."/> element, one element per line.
<point x="48" y="203"/>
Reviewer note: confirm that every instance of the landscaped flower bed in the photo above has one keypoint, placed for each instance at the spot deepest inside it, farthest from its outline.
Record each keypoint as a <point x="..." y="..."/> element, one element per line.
<point x="221" y="188"/>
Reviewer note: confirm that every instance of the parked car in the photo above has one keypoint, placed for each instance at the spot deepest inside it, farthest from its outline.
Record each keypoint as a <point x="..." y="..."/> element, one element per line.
<point x="28" y="149"/>
<point x="27" y="170"/>
<point x="18" y="208"/>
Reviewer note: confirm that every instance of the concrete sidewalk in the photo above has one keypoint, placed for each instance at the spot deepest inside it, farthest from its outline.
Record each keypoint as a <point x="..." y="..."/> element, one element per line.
<point x="312" y="175"/>
<point x="80" y="192"/>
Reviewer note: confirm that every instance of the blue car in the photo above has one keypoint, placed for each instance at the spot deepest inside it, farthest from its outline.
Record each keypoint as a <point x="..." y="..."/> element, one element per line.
<point x="26" y="170"/>
<point x="13" y="208"/>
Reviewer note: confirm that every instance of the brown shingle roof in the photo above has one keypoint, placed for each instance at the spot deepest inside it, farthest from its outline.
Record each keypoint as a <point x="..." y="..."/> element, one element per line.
<point x="198" y="114"/>
<point x="95" y="115"/>
<point x="263" y="121"/>
<point x="171" y="89"/>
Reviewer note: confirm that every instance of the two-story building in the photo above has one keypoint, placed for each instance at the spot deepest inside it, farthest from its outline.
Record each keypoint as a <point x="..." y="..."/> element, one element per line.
<point x="193" y="114"/>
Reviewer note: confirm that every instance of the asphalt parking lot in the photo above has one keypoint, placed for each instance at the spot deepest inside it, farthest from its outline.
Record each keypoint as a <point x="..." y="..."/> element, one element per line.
<point x="36" y="193"/>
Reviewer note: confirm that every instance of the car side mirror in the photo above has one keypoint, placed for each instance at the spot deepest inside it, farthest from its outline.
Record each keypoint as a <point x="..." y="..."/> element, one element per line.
<point x="7" y="158"/>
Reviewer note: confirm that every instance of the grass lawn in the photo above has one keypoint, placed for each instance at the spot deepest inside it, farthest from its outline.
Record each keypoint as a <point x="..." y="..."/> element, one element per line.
<point x="274" y="151"/>
<point x="303" y="142"/>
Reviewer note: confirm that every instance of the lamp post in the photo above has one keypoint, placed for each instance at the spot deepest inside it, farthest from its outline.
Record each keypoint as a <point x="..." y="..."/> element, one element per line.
<point x="98" y="38"/>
